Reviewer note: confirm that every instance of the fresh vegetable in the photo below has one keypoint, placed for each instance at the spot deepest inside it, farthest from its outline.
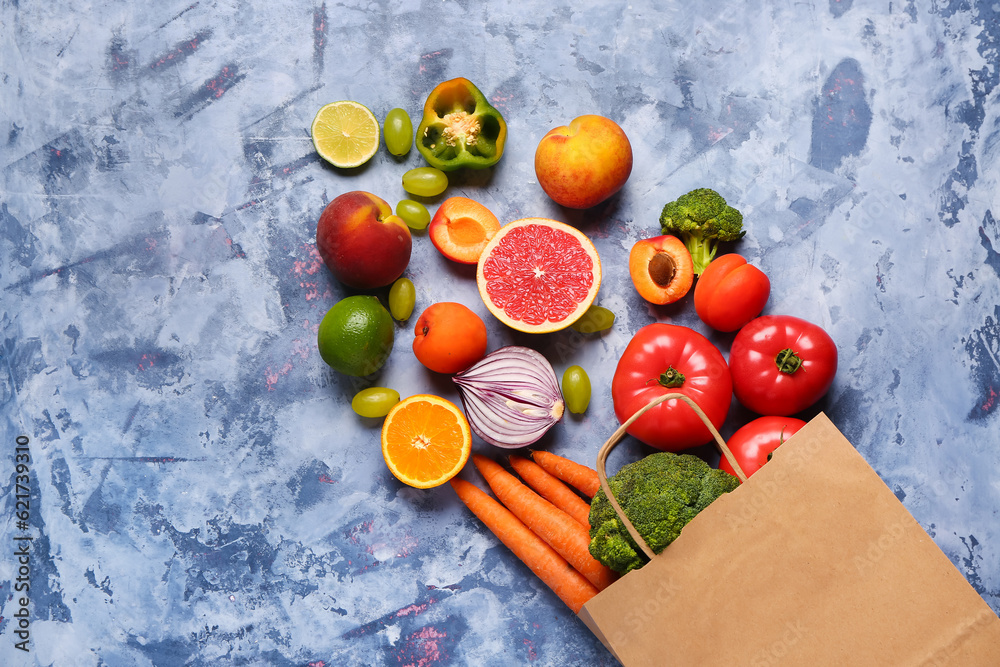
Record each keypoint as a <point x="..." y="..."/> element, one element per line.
<point x="414" y="214"/>
<point x="582" y="478"/>
<point x="730" y="293"/>
<point x="374" y="401"/>
<point x="449" y="337"/>
<point x="398" y="131"/>
<point x="552" y="489"/>
<point x="511" y="396"/>
<point x="753" y="443"/>
<point x="663" y="358"/>
<point x="576" y="389"/>
<point x="661" y="269"/>
<point x="701" y="219"/>
<point x="659" y="494"/>
<point x="594" y="320"/>
<point x="425" y="441"/>
<point x="559" y="530"/>
<point x="781" y="364"/>
<point x="460" y="128"/>
<point x="571" y="586"/>
<point x="425" y="181"/>
<point x="402" y="298"/>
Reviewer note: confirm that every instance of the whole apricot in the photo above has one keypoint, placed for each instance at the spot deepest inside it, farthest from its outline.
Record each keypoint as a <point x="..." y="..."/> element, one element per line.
<point x="449" y="337"/>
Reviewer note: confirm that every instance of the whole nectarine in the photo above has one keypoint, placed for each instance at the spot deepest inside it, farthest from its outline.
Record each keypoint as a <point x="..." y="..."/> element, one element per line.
<point x="584" y="163"/>
<point x="362" y="242"/>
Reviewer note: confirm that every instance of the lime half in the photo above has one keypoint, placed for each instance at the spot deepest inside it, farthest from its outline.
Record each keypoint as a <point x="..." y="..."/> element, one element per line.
<point x="345" y="133"/>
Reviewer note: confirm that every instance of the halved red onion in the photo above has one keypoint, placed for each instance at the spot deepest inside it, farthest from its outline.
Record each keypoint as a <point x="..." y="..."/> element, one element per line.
<point x="511" y="396"/>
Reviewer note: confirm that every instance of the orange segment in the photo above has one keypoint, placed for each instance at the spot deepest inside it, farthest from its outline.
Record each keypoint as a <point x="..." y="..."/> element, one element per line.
<point x="425" y="441"/>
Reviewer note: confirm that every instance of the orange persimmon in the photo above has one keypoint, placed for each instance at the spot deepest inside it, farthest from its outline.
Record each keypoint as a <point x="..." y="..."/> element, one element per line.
<point x="661" y="269"/>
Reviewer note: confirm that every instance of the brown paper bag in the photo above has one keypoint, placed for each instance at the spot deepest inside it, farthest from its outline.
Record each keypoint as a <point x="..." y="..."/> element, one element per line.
<point x="813" y="561"/>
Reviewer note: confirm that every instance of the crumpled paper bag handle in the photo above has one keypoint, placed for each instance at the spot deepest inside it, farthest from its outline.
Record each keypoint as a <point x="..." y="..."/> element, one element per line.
<point x="612" y="442"/>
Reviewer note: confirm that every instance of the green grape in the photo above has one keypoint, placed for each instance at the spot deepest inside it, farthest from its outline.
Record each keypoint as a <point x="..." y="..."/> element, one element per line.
<point x="398" y="132"/>
<point x="576" y="389"/>
<point x="425" y="181"/>
<point x="413" y="213"/>
<point x="597" y="318"/>
<point x="402" y="297"/>
<point x="374" y="401"/>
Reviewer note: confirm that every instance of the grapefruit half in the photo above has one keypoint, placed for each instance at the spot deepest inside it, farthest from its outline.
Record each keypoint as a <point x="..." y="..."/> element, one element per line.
<point x="538" y="275"/>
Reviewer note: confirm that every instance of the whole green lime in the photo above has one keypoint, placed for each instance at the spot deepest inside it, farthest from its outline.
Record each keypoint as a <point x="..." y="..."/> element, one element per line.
<point x="356" y="335"/>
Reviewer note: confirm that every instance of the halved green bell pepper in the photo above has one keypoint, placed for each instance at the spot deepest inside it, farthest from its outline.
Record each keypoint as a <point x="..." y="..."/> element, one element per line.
<point x="460" y="128"/>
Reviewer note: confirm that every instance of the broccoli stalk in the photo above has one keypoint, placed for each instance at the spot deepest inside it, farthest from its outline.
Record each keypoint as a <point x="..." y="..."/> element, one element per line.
<point x="701" y="219"/>
<point x="659" y="494"/>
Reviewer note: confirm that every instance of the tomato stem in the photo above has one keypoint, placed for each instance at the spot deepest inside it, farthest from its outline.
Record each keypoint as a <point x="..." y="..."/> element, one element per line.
<point x="671" y="378"/>
<point x="787" y="361"/>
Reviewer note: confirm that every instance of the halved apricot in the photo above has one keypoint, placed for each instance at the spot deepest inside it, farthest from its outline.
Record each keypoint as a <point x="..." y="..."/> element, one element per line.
<point x="661" y="269"/>
<point x="461" y="228"/>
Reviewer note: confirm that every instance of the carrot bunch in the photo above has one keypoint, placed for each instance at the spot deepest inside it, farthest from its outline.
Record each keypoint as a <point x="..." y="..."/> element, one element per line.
<point x="543" y="522"/>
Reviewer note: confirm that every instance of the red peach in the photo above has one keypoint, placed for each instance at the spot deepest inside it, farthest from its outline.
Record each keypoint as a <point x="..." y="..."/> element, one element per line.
<point x="584" y="163"/>
<point x="362" y="242"/>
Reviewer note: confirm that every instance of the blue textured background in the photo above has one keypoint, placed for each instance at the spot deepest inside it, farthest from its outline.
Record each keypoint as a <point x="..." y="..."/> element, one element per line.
<point x="202" y="493"/>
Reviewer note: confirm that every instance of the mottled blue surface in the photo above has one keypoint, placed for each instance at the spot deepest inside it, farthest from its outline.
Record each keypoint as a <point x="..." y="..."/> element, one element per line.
<point x="201" y="492"/>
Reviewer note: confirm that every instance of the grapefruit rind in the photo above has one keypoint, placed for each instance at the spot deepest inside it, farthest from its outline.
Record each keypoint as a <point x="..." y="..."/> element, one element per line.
<point x="490" y="281"/>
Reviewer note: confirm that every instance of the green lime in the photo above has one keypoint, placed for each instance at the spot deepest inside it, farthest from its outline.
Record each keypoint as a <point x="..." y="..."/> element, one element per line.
<point x="356" y="335"/>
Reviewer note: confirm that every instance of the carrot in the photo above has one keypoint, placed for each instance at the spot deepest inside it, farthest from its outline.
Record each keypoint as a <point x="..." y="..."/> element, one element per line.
<point x="571" y="586"/>
<point x="552" y="489"/>
<point x="579" y="476"/>
<point x="559" y="530"/>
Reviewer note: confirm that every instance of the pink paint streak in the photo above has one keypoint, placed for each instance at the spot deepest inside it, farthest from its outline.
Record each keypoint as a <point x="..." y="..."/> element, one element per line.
<point x="423" y="648"/>
<point x="271" y="377"/>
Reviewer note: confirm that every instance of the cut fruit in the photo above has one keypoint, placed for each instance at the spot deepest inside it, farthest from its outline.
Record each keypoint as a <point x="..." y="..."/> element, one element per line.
<point x="461" y="228"/>
<point x="425" y="441"/>
<point x="345" y="133"/>
<point x="661" y="269"/>
<point x="538" y="275"/>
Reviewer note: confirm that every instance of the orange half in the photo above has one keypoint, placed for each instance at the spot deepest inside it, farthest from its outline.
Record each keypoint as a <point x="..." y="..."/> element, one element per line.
<point x="425" y="441"/>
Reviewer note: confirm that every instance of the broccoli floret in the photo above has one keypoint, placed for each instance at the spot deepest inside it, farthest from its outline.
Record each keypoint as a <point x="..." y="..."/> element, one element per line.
<point x="701" y="219"/>
<point x="659" y="494"/>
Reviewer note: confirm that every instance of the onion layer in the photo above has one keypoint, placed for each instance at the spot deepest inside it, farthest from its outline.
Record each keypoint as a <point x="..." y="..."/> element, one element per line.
<point x="511" y="396"/>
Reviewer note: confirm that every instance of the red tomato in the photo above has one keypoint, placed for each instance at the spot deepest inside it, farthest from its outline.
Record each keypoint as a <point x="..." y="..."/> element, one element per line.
<point x="664" y="358"/>
<point x="729" y="293"/>
<point x="753" y="443"/>
<point x="781" y="364"/>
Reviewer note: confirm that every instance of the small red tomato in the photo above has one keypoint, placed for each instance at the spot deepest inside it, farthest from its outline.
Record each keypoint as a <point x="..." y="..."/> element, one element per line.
<point x="781" y="364"/>
<point x="730" y="293"/>
<point x="753" y="443"/>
